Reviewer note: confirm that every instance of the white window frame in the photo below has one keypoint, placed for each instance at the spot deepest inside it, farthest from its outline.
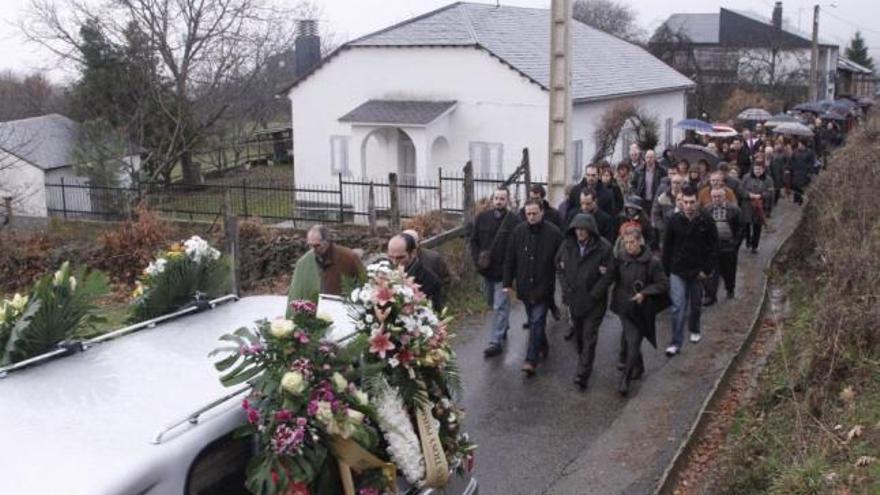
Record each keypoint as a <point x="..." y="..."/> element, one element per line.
<point x="487" y="158"/>
<point x="339" y="155"/>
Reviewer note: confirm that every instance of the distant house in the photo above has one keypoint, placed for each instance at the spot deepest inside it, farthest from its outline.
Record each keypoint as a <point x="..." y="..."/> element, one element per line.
<point x="37" y="153"/>
<point x="468" y="81"/>
<point x="731" y="48"/>
<point x="854" y="79"/>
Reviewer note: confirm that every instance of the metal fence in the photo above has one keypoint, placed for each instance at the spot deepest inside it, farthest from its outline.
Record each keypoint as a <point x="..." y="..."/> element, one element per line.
<point x="348" y="200"/>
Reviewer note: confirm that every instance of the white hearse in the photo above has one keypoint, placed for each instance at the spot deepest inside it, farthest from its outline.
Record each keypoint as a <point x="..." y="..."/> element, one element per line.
<point x="139" y="411"/>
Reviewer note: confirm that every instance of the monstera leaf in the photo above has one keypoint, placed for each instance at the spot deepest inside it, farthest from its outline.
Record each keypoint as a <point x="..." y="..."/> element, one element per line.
<point x="178" y="284"/>
<point x="60" y="306"/>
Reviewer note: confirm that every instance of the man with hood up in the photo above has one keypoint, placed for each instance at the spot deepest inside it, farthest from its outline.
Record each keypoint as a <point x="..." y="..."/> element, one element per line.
<point x="585" y="265"/>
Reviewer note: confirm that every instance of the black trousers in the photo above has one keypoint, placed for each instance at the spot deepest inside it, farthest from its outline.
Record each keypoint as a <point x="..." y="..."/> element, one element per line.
<point x="798" y="195"/>
<point x="753" y="234"/>
<point x="586" y="331"/>
<point x="726" y="270"/>
<point x="631" y="347"/>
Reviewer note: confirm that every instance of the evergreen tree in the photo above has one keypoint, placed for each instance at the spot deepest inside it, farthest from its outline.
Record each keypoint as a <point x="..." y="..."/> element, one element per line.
<point x="858" y="52"/>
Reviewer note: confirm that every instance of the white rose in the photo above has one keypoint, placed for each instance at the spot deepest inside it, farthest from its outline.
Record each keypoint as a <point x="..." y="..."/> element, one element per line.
<point x="355" y="416"/>
<point x="324" y="316"/>
<point x="361" y="397"/>
<point x="339" y="381"/>
<point x="281" y="328"/>
<point x="19" y="302"/>
<point x="293" y="382"/>
<point x="324" y="412"/>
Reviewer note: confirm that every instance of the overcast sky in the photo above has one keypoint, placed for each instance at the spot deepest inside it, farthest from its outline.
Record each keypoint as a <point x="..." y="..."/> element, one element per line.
<point x="352" y="18"/>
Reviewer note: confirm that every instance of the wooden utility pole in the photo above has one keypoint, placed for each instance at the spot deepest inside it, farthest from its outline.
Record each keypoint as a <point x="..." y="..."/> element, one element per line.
<point x="814" y="57"/>
<point x="559" y="166"/>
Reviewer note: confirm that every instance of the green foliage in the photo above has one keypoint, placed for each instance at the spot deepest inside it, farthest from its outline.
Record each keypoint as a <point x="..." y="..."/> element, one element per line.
<point x="857" y="51"/>
<point x="99" y="156"/>
<point x="178" y="284"/>
<point x="59" y="306"/>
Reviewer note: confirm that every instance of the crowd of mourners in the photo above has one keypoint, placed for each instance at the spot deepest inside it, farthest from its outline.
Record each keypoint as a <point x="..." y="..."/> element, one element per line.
<point x="646" y="234"/>
<point x="649" y="233"/>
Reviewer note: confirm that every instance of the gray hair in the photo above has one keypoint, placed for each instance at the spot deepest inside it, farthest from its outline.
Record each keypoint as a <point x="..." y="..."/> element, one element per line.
<point x="323" y="231"/>
<point x="635" y="232"/>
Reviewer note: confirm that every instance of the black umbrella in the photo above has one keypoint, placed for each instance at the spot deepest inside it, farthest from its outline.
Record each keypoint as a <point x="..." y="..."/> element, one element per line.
<point x="694" y="153"/>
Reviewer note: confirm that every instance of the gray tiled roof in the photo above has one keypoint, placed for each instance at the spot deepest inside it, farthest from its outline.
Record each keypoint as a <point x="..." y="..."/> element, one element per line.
<point x="603" y="65"/>
<point x="699" y="28"/>
<point x="46" y="141"/>
<point x="397" y="112"/>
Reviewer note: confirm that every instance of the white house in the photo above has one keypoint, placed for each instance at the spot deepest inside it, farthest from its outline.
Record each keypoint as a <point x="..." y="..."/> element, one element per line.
<point x="468" y="81"/>
<point x="36" y="155"/>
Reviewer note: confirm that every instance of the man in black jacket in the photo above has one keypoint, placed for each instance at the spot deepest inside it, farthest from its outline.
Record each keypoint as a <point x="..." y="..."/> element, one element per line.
<point x="726" y="216"/>
<point x="402" y="252"/>
<point x="488" y="247"/>
<point x="585" y="264"/>
<point x="538" y="193"/>
<point x="604" y="197"/>
<point x="646" y="180"/>
<point x="604" y="222"/>
<point x="690" y="251"/>
<point x="530" y="265"/>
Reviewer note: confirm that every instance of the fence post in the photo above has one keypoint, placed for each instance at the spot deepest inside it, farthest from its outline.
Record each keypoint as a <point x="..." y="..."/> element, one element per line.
<point x="230" y="228"/>
<point x="469" y="204"/>
<point x="341" y="202"/>
<point x="244" y="197"/>
<point x="440" y="189"/>
<point x="394" y="199"/>
<point x="63" y="199"/>
<point x="526" y="166"/>
<point x="371" y="208"/>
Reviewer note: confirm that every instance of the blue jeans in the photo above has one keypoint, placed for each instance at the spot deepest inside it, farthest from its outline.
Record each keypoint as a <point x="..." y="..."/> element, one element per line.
<point x="500" y="304"/>
<point x="537" y="316"/>
<point x="686" y="296"/>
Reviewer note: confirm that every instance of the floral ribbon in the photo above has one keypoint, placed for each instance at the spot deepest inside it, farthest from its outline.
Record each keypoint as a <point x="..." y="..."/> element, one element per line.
<point x="436" y="466"/>
<point x="350" y="455"/>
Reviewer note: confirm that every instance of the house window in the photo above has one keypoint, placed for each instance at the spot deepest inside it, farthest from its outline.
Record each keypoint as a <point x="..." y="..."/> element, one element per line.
<point x="487" y="159"/>
<point x="339" y="155"/>
<point x="668" y="132"/>
<point x="577" y="157"/>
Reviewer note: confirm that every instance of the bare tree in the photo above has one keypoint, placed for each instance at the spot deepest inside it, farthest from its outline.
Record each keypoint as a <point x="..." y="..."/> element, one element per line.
<point x="612" y="17"/>
<point x="28" y="96"/>
<point x="208" y="55"/>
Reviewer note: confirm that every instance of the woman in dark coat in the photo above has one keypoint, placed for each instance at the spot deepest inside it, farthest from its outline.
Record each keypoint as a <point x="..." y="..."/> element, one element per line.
<point x="640" y="285"/>
<point x="801" y="169"/>
<point x="606" y="175"/>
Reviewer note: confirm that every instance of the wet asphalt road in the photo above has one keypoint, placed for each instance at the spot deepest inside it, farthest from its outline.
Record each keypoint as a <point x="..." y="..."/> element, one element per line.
<point x="543" y="435"/>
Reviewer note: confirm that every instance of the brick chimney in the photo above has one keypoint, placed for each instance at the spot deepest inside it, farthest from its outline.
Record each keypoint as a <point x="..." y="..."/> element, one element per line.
<point x="777" y="15"/>
<point x="307" y="45"/>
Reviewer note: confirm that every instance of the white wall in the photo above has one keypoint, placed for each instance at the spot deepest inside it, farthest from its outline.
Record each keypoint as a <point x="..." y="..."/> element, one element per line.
<point x="587" y="117"/>
<point x="495" y="104"/>
<point x="24" y="183"/>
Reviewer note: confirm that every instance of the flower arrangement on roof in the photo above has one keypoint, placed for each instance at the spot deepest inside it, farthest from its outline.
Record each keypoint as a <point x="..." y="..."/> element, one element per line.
<point x="177" y="276"/>
<point x="57" y="308"/>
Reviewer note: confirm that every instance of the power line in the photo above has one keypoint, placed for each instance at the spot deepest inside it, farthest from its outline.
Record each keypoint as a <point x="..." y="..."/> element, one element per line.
<point x="851" y="23"/>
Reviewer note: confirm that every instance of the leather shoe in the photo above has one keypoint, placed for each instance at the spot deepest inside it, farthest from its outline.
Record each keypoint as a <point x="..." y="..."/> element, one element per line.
<point x="581" y="382"/>
<point x="621" y="365"/>
<point x="492" y="351"/>
<point x="529" y="369"/>
<point x="570" y="334"/>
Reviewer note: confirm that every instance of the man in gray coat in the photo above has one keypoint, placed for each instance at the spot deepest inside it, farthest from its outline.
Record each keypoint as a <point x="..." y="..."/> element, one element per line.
<point x="585" y="265"/>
